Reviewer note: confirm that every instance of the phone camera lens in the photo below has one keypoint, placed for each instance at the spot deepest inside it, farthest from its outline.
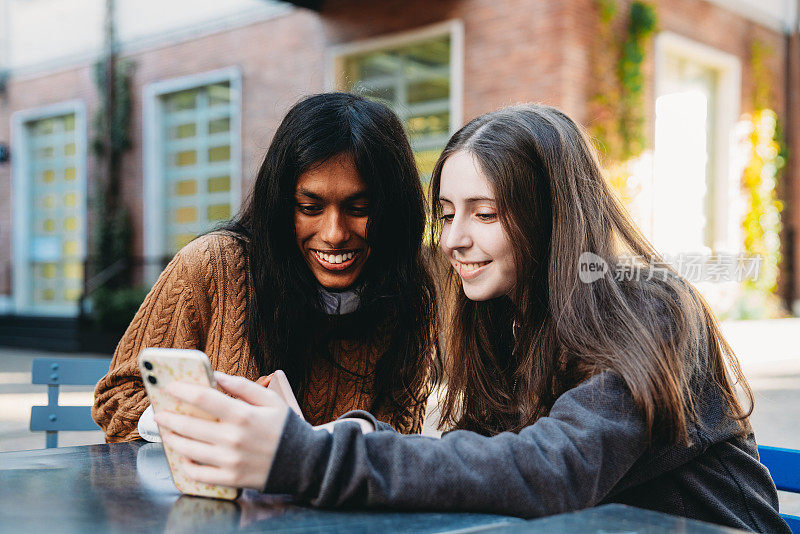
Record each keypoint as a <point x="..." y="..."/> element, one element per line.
<point x="148" y="366"/>
<point x="152" y="379"/>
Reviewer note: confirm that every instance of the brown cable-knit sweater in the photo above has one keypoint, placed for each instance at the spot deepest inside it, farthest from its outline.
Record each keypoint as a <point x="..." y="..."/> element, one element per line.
<point x="199" y="302"/>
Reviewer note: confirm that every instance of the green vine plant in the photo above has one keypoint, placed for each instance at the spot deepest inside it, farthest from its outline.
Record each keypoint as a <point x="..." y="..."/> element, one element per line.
<point x="762" y="222"/>
<point x="617" y="106"/>
<point x="112" y="235"/>
<point x="641" y="26"/>
<point x="115" y="301"/>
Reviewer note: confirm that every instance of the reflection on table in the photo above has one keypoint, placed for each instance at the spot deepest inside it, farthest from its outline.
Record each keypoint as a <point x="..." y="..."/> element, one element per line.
<point x="127" y="487"/>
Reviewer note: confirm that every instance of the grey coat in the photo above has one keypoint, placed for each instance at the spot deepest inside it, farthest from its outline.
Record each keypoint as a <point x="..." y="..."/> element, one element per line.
<point x="589" y="450"/>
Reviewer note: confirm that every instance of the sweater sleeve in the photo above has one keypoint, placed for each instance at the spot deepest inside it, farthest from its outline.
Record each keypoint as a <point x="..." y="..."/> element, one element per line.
<point x="566" y="461"/>
<point x="410" y="418"/>
<point x="166" y="318"/>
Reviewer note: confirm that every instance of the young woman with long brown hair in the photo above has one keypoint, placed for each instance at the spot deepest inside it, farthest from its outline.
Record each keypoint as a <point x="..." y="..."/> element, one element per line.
<point x="321" y="275"/>
<point x="563" y="391"/>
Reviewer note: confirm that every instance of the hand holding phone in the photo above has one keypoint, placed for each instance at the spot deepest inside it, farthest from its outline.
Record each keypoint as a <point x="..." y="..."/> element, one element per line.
<point x="238" y="447"/>
<point x="159" y="367"/>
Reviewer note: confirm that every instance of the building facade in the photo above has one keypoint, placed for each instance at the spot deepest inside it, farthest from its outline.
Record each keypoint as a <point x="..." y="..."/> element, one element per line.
<point x="211" y="83"/>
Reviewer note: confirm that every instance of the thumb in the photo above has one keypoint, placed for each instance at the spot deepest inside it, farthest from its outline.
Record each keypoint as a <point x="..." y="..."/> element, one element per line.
<point x="264" y="380"/>
<point x="246" y="390"/>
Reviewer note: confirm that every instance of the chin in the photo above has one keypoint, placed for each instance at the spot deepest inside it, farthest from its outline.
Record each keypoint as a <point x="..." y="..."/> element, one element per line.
<point x="336" y="285"/>
<point x="478" y="294"/>
<point x="484" y="291"/>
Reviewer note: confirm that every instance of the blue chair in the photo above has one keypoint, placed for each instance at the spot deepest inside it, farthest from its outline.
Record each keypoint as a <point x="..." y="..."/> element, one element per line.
<point x="56" y="372"/>
<point x="784" y="467"/>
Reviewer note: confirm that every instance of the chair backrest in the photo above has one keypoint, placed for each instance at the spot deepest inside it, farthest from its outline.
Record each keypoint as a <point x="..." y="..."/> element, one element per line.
<point x="56" y="372"/>
<point x="784" y="467"/>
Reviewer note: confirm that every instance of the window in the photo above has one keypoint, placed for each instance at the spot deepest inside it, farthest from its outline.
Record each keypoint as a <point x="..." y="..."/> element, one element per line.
<point x="196" y="128"/>
<point x="416" y="77"/>
<point x="50" y="210"/>
<point x="696" y="109"/>
<point x="191" y="158"/>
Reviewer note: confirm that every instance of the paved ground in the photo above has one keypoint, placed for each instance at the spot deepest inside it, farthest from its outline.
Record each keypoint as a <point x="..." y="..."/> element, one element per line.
<point x="768" y="350"/>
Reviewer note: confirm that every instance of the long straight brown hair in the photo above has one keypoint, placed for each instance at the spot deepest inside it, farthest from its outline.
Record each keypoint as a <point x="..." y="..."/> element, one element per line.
<point x="507" y="360"/>
<point x="283" y="314"/>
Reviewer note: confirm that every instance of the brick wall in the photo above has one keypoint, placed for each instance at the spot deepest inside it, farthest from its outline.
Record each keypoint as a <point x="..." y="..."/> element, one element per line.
<point x="512" y="53"/>
<point x="515" y="51"/>
<point x="273" y="78"/>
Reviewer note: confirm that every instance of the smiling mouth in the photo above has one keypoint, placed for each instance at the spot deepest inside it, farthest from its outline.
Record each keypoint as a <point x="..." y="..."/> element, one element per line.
<point x="471" y="270"/>
<point x="338" y="260"/>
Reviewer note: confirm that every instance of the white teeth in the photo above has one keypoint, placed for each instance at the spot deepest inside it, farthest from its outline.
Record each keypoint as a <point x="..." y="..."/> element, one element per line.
<point x="334" y="258"/>
<point x="472" y="266"/>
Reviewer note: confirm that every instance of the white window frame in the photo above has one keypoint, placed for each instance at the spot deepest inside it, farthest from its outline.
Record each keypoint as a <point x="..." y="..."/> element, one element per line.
<point x="20" y="191"/>
<point x="726" y="236"/>
<point x="153" y="199"/>
<point x="453" y="28"/>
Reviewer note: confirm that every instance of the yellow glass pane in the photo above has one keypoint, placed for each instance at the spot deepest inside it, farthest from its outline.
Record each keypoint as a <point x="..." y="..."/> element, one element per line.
<point x="72" y="294"/>
<point x="73" y="271"/>
<point x="48" y="294"/>
<point x="429" y="52"/>
<point x="48" y="270"/>
<point x="181" y="240"/>
<point x="219" y="153"/>
<point x="219" y="184"/>
<point x="426" y="160"/>
<point x="184" y="131"/>
<point x="69" y="123"/>
<point x="46" y="126"/>
<point x="185" y="215"/>
<point x="48" y="201"/>
<point x="219" y="94"/>
<point x="186" y="187"/>
<point x="71" y="249"/>
<point x="69" y="173"/>
<point x="183" y="100"/>
<point x="217" y="212"/>
<point x="48" y="176"/>
<point x="69" y="150"/>
<point x="427" y="90"/>
<point x="219" y="125"/>
<point x="49" y="225"/>
<point x="71" y="224"/>
<point x="187" y="157"/>
<point x="45" y="152"/>
<point x="71" y="200"/>
<point x="437" y="124"/>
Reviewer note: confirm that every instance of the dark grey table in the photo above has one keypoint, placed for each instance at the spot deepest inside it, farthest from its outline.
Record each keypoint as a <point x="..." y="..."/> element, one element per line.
<point x="127" y="488"/>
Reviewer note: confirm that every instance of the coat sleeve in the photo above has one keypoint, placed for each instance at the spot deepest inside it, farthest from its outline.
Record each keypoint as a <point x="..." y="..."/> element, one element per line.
<point x="166" y="318"/>
<point x="566" y="461"/>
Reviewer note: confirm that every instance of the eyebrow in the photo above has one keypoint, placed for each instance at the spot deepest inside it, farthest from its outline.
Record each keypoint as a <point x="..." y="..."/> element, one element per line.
<point x="469" y="200"/>
<point x="359" y="195"/>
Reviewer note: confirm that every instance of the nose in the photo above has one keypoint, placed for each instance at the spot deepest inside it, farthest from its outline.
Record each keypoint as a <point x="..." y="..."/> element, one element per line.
<point x="335" y="231"/>
<point x="456" y="235"/>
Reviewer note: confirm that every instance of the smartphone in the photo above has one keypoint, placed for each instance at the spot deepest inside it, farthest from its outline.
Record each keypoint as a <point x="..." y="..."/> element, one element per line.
<point x="159" y="367"/>
<point x="280" y="385"/>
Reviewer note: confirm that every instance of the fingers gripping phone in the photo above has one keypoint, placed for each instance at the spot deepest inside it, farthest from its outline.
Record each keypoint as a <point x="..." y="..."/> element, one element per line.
<point x="280" y="385"/>
<point x="159" y="367"/>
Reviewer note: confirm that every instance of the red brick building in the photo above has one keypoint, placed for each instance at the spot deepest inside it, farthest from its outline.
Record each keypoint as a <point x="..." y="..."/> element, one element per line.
<point x="207" y="98"/>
